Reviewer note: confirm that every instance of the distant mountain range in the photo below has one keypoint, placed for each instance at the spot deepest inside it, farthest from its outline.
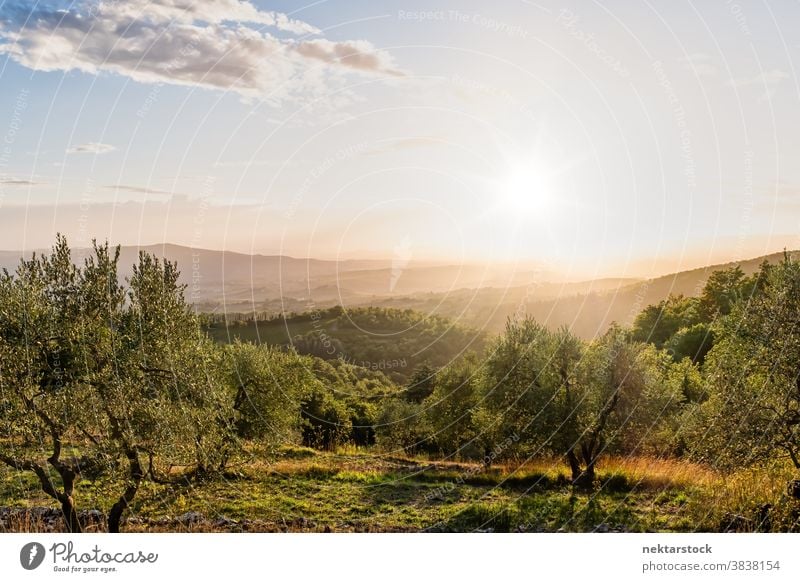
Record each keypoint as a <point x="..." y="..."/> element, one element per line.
<point x="242" y="281"/>
<point x="482" y="296"/>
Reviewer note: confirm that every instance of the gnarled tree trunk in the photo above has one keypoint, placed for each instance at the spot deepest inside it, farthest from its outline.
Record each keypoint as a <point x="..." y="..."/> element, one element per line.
<point x="591" y="446"/>
<point x="70" y="515"/>
<point x="66" y="497"/>
<point x="136" y="476"/>
<point x="68" y="477"/>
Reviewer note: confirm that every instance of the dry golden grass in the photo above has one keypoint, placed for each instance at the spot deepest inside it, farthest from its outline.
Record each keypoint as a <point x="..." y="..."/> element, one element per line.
<point x="743" y="495"/>
<point x="642" y="473"/>
<point x="659" y="474"/>
<point x="26" y="523"/>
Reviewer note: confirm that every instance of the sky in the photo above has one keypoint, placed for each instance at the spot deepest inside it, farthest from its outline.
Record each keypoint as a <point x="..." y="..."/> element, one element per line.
<point x="596" y="139"/>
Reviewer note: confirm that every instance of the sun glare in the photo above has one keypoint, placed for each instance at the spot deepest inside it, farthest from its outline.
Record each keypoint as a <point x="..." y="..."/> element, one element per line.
<point x="525" y="190"/>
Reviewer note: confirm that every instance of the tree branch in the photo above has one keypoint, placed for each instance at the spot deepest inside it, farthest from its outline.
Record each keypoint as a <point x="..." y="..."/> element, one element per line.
<point x="41" y="473"/>
<point x="157" y="371"/>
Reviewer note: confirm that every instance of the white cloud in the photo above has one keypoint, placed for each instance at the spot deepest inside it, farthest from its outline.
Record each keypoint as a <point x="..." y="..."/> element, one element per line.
<point x="188" y="42"/>
<point x="91" y="148"/>
<point x="357" y="54"/>
<point x="211" y="11"/>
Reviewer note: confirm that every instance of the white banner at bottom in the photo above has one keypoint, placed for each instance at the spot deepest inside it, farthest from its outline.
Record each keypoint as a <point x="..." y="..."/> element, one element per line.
<point x="418" y="557"/>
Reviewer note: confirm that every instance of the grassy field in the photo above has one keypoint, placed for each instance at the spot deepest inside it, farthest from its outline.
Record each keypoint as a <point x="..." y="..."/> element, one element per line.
<point x="276" y="331"/>
<point x="304" y="490"/>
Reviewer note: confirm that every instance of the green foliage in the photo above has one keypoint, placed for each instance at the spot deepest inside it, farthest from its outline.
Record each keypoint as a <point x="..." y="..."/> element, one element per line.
<point x="175" y="369"/>
<point x="556" y="395"/>
<point x="452" y="410"/>
<point x="344" y="403"/>
<point x="644" y="384"/>
<point x="122" y="371"/>
<point x="318" y="344"/>
<point x="519" y="388"/>
<point x="753" y="411"/>
<point x="722" y="290"/>
<point x="392" y="341"/>
<point x="269" y="386"/>
<point x="692" y="342"/>
<point x="683" y="325"/>
<point x="421" y="384"/>
<point x="657" y="323"/>
<point x="402" y="427"/>
<point x="327" y="422"/>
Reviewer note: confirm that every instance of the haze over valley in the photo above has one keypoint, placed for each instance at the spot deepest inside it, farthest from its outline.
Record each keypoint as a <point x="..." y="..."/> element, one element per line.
<point x="482" y="296"/>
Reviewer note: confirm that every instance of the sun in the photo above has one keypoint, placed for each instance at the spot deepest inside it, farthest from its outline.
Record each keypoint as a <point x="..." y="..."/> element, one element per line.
<point x="525" y="190"/>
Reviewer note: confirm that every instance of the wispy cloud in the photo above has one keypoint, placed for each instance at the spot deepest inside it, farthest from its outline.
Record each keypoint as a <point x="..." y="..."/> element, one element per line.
<point x="91" y="148"/>
<point x="404" y="144"/>
<point x="771" y="77"/>
<point x="138" y="189"/>
<point x="17" y="182"/>
<point x="353" y="54"/>
<point x="768" y="80"/>
<point x="185" y="42"/>
<point x="256" y="164"/>
<point x="701" y="64"/>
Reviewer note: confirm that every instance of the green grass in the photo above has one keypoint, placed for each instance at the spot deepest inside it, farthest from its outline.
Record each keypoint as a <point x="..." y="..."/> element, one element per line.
<point x="300" y="489"/>
<point x="275" y="332"/>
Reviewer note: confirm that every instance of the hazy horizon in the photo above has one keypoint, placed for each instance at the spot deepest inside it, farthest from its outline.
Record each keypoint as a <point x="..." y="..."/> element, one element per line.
<point x="646" y="268"/>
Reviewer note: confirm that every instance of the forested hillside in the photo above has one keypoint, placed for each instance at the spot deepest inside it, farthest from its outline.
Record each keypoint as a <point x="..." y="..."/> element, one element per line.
<point x="395" y="342"/>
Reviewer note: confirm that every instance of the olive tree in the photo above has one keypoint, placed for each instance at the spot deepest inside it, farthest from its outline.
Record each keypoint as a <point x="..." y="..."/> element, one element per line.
<point x="623" y="393"/>
<point x="97" y="377"/>
<point x="269" y="386"/>
<point x="453" y="409"/>
<point x="160" y="387"/>
<point x="520" y="383"/>
<point x="42" y="396"/>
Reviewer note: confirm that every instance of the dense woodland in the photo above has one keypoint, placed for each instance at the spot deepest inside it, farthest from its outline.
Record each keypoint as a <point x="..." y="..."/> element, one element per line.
<point x="123" y="380"/>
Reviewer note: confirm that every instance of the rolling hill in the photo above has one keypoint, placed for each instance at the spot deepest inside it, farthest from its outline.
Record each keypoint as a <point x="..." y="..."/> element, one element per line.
<point x="476" y="295"/>
<point x="587" y="312"/>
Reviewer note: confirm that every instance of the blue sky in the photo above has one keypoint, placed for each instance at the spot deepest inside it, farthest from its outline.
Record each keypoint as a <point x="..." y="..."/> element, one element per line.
<point x="600" y="138"/>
